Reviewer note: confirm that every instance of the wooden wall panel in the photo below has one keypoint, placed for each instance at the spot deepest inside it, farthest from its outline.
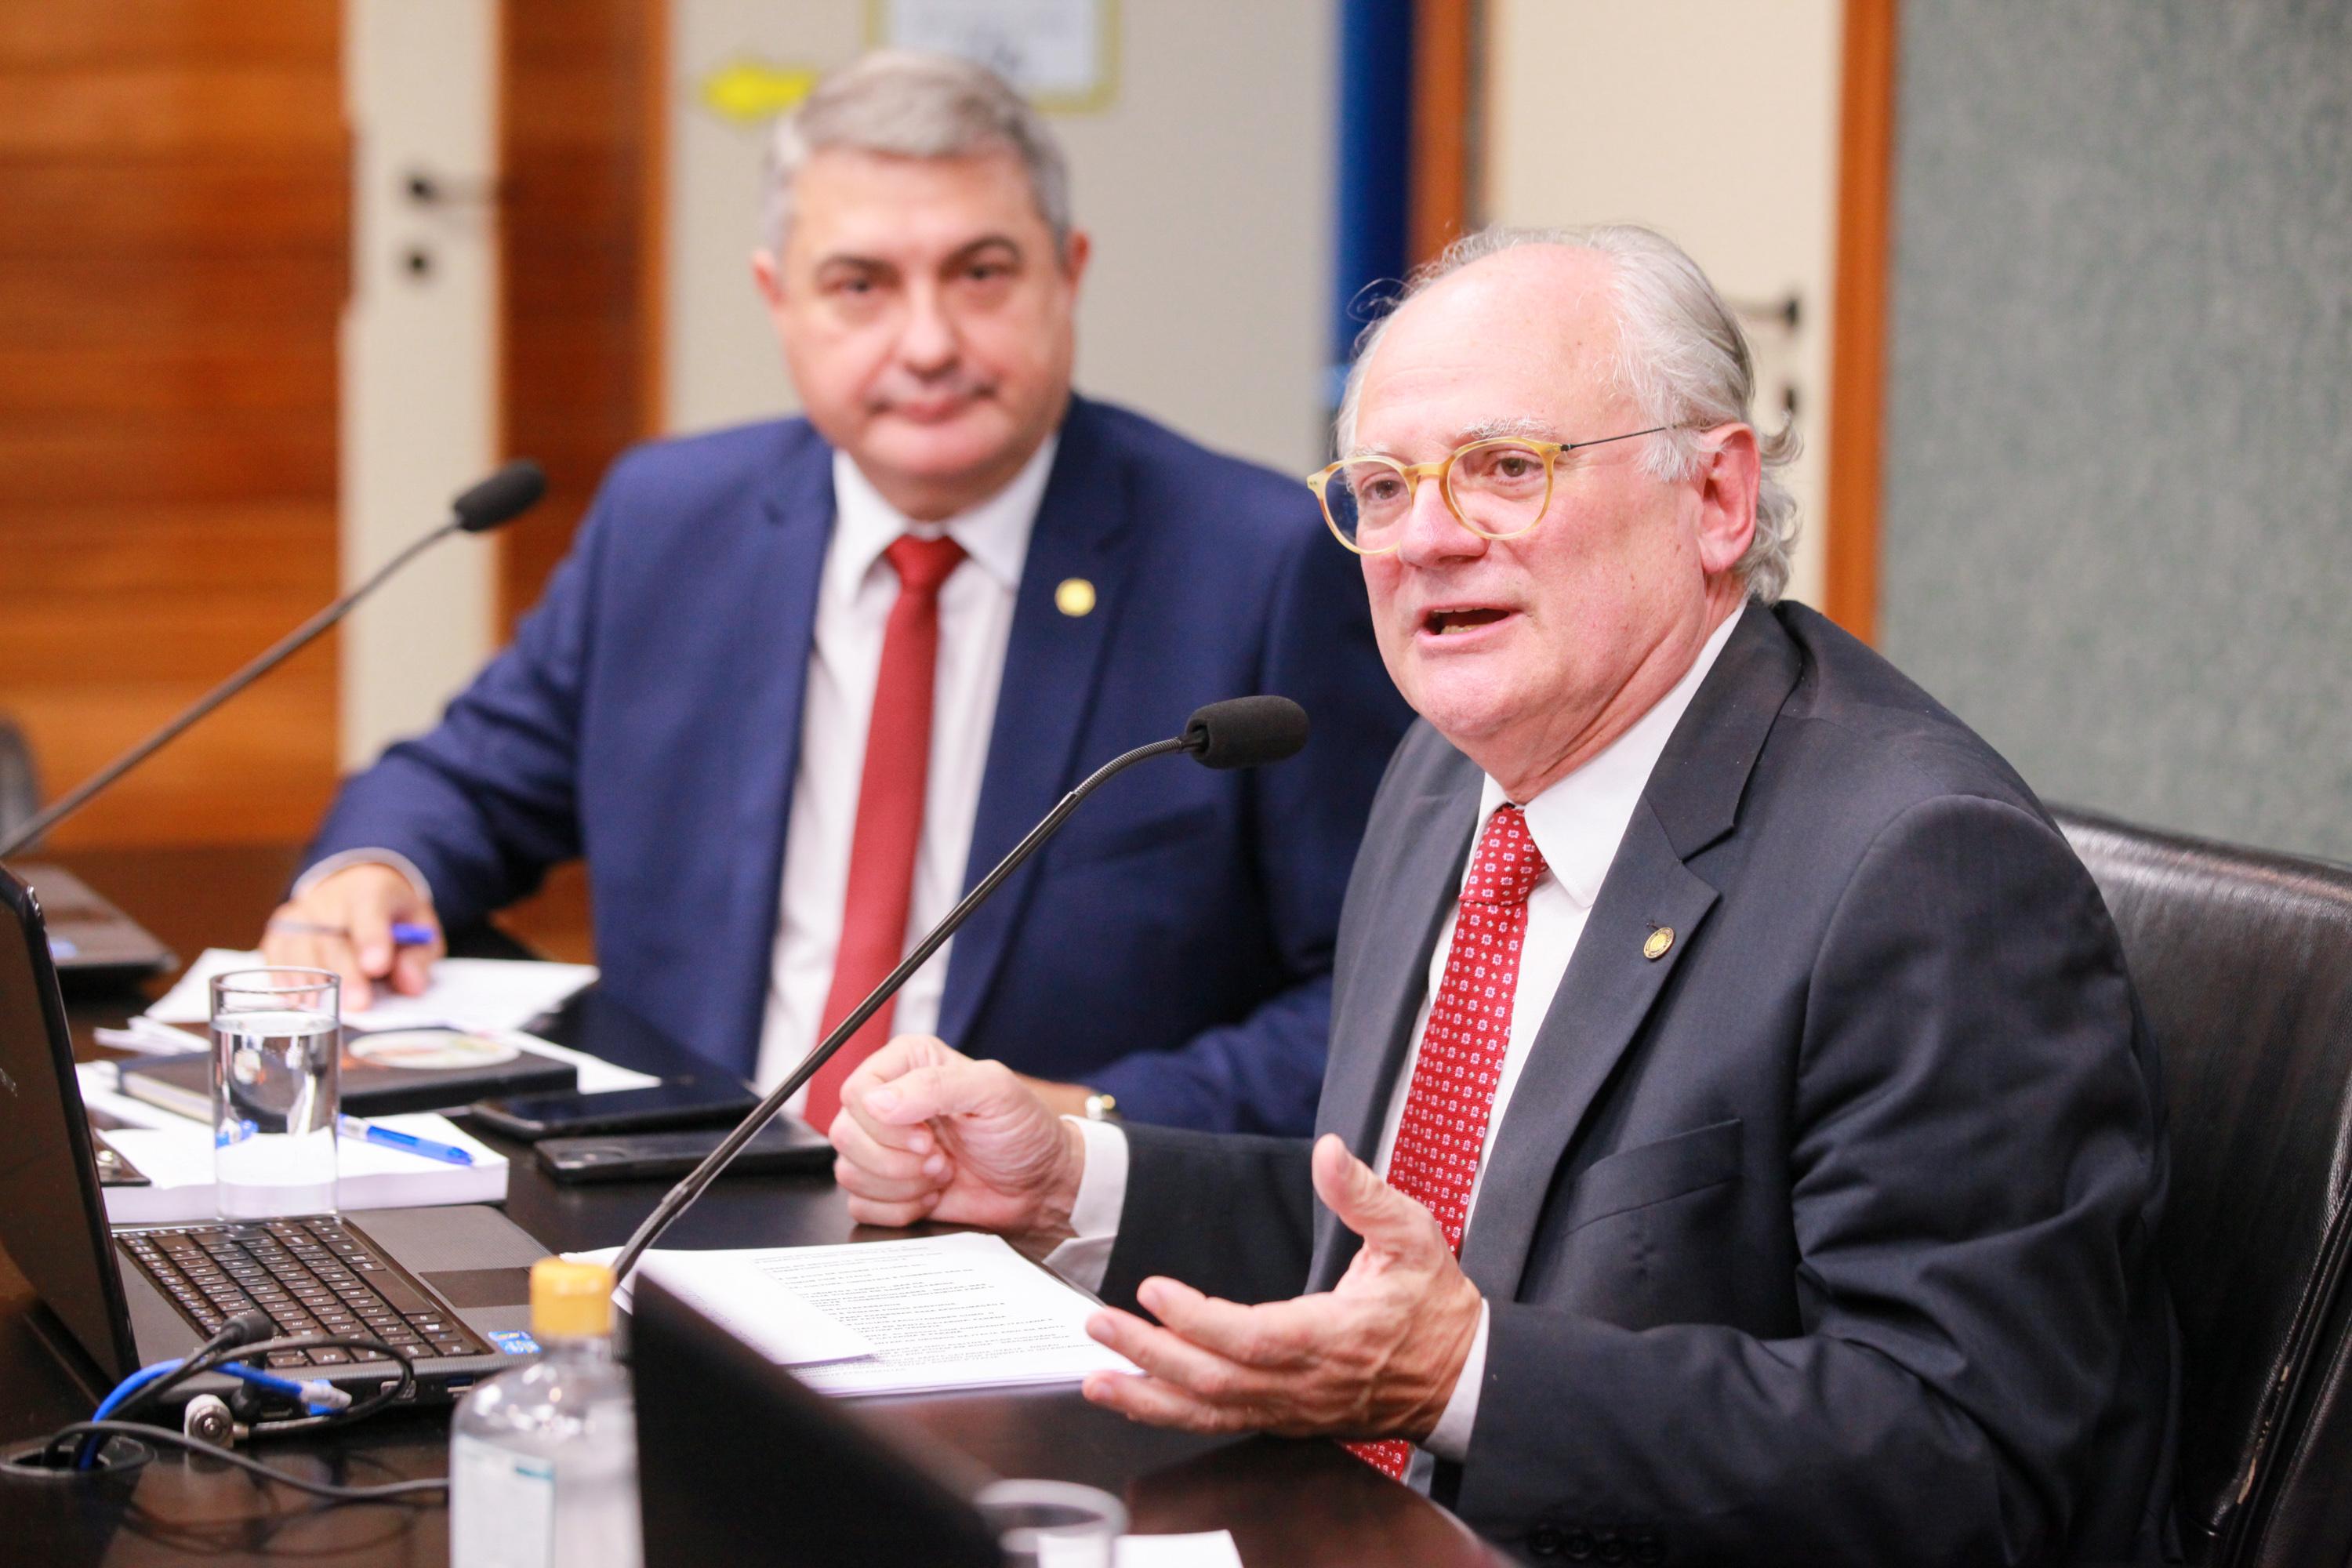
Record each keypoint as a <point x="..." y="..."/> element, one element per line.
<point x="171" y="280"/>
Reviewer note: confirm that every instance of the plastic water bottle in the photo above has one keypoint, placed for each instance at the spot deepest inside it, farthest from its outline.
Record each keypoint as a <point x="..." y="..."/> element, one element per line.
<point x="543" y="1458"/>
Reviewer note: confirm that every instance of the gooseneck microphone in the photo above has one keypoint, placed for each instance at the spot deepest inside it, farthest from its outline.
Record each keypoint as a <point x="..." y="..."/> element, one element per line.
<point x="1240" y="733"/>
<point x="507" y="494"/>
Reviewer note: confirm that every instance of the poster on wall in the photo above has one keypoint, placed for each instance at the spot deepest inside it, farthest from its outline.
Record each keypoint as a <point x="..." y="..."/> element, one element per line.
<point x="1061" y="53"/>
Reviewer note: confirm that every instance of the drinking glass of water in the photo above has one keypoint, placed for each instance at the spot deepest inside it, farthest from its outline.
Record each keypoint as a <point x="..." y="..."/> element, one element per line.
<point x="1052" y="1524"/>
<point x="278" y="1041"/>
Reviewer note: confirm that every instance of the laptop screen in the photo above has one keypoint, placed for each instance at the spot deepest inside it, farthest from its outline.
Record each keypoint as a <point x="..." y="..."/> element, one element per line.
<point x="52" y="1215"/>
<point x="714" y="1415"/>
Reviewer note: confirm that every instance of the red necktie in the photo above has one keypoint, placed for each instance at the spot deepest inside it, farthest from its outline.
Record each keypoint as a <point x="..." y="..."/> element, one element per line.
<point x="889" y="814"/>
<point x="1443" y="1130"/>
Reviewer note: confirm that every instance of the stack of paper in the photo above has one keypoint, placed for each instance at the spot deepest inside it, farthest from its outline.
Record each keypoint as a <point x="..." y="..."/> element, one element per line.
<point x="175" y="1155"/>
<point x="471" y="993"/>
<point x="935" y="1312"/>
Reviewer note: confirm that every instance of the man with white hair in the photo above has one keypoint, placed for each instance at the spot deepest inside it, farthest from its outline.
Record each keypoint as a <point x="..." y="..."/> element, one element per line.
<point x="799" y="685"/>
<point x="1740" y="1143"/>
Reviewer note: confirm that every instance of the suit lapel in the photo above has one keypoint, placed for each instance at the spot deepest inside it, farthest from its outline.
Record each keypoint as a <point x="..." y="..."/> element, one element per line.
<point x="1374" y="1004"/>
<point x="1602" y="1000"/>
<point x="1053" y="664"/>
<point x="1416" y="894"/>
<point x="788" y="564"/>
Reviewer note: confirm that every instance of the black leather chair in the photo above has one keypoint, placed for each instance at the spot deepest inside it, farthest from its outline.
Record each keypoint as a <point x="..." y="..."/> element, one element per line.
<point x="20" y="782"/>
<point x="2244" y="963"/>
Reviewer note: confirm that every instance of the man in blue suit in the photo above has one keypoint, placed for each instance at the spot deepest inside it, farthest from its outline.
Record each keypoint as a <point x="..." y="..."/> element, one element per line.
<point x="799" y="685"/>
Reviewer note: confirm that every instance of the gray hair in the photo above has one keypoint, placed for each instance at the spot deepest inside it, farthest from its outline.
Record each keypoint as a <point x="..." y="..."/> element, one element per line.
<point x="910" y="105"/>
<point x="1681" y="356"/>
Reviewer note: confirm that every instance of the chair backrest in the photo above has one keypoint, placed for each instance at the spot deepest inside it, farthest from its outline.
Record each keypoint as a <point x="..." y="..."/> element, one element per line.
<point x="2244" y="964"/>
<point x="20" y="781"/>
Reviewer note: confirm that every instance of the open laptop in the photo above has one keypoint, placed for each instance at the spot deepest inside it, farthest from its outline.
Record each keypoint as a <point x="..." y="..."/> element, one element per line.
<point x="94" y="943"/>
<point x="450" y="1286"/>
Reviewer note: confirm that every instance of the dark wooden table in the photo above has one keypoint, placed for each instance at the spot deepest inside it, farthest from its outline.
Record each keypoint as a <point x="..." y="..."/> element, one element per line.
<point x="1285" y="1502"/>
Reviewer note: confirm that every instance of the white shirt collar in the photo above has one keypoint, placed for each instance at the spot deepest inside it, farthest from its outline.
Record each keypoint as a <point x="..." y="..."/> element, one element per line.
<point x="1578" y="823"/>
<point x="995" y="534"/>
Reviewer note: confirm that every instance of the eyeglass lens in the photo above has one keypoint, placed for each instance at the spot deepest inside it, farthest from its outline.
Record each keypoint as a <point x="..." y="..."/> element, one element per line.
<point x="1498" y="488"/>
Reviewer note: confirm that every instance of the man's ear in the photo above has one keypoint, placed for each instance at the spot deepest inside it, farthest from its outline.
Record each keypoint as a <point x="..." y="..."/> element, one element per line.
<point x="768" y="276"/>
<point x="1076" y="252"/>
<point x="1728" y="484"/>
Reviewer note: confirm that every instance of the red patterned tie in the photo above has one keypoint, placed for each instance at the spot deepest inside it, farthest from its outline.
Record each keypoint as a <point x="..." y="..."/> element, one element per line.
<point x="1443" y="1130"/>
<point x="889" y="813"/>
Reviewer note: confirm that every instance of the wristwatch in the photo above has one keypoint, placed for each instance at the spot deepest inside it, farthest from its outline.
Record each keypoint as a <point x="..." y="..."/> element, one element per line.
<point x="1102" y="1108"/>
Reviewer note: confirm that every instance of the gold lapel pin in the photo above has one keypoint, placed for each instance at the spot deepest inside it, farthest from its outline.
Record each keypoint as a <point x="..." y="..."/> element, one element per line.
<point x="1659" y="940"/>
<point x="1074" y="597"/>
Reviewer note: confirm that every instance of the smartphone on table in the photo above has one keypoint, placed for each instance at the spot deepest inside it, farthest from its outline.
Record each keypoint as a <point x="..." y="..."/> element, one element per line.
<point x="686" y="1101"/>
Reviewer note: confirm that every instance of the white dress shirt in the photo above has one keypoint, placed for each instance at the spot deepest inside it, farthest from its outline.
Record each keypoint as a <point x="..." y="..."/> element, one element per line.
<point x="1577" y="824"/>
<point x="853" y="609"/>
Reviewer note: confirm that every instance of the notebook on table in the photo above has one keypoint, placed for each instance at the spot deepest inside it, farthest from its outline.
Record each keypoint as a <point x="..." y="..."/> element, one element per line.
<point x="383" y="1074"/>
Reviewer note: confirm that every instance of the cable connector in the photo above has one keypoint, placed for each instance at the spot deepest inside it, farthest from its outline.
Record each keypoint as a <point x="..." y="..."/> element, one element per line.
<point x="208" y="1420"/>
<point x="323" y="1397"/>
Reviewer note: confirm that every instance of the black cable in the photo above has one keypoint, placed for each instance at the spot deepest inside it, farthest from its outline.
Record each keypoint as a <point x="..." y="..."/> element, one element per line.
<point x="244" y="1328"/>
<point x="213" y="1353"/>
<point x="387" y="1491"/>
<point x="213" y="1356"/>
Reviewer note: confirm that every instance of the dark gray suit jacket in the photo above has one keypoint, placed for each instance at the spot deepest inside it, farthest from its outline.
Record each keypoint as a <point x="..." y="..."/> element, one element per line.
<point x="1829" y="1236"/>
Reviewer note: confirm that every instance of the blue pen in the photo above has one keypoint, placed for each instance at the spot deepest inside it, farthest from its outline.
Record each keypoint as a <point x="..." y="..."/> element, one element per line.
<point x="407" y="935"/>
<point x="369" y="1133"/>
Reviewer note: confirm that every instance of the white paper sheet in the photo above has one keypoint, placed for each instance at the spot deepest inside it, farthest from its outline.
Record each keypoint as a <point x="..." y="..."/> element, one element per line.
<point x="477" y="993"/>
<point x="493" y="996"/>
<point x="941" y="1311"/>
<point x="1210" y="1549"/>
<point x="744" y="1302"/>
<point x="149" y="1038"/>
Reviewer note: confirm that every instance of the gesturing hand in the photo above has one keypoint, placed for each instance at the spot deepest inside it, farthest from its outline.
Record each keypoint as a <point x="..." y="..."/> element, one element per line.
<point x="1377" y="1357"/>
<point x="927" y="1133"/>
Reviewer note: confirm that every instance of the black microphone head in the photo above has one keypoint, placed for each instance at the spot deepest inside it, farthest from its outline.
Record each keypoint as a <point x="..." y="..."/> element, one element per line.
<point x="506" y="495"/>
<point x="1244" y="732"/>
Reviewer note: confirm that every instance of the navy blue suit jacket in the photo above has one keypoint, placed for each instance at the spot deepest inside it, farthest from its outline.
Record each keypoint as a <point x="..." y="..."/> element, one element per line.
<point x="1172" y="946"/>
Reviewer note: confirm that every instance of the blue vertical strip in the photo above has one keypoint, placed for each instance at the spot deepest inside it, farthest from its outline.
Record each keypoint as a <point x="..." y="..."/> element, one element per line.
<point x="1375" y="155"/>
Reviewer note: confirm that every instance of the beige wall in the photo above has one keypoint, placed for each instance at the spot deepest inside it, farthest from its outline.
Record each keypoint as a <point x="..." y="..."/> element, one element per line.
<point x="1205" y="183"/>
<point x="1715" y="123"/>
<point x="419" y="358"/>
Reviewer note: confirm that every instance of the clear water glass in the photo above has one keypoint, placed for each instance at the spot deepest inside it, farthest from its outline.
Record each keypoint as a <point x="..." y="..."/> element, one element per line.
<point x="278" y="1041"/>
<point x="1052" y="1524"/>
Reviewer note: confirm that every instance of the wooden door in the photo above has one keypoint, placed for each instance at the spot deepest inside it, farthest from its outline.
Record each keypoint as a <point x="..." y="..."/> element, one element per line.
<point x="173" y="266"/>
<point x="581" y="97"/>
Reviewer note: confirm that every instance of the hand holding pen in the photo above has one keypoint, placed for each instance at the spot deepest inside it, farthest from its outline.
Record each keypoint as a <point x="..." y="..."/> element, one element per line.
<point x="369" y="923"/>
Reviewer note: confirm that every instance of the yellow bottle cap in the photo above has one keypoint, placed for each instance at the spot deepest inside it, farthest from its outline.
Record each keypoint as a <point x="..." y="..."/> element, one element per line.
<point x="569" y="1301"/>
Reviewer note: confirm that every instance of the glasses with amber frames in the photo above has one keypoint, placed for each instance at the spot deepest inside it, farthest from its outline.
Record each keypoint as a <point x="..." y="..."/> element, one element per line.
<point x="1497" y="488"/>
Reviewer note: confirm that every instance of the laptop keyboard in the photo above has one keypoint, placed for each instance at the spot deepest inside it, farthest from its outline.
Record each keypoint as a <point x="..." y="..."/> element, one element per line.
<point x="313" y="1276"/>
